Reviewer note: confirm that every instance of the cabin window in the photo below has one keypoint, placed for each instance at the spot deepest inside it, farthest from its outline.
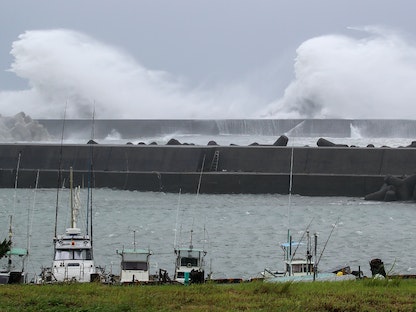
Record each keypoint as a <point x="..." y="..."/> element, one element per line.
<point x="63" y="255"/>
<point x="73" y="254"/>
<point x="135" y="265"/>
<point x="185" y="261"/>
<point x="82" y="254"/>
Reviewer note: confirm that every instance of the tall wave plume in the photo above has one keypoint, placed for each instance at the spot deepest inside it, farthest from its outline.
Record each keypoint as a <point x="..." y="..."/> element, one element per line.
<point x="338" y="76"/>
<point x="69" y="69"/>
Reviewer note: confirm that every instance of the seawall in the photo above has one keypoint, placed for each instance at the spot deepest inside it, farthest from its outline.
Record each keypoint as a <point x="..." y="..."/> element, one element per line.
<point x="317" y="171"/>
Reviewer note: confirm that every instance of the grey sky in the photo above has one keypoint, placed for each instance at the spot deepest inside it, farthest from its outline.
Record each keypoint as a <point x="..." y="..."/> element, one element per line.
<point x="204" y="42"/>
<point x="199" y="39"/>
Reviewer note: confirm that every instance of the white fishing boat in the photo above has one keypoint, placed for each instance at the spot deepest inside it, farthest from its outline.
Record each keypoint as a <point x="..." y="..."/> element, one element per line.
<point x="13" y="271"/>
<point x="73" y="251"/>
<point x="300" y="266"/>
<point x="134" y="266"/>
<point x="303" y="268"/>
<point x="189" y="264"/>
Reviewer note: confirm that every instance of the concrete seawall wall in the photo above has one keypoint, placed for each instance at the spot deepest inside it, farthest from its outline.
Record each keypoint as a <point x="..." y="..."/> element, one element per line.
<point x="324" y="171"/>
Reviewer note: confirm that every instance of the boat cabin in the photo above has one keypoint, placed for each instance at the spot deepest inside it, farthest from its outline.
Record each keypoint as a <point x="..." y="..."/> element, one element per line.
<point x="189" y="265"/>
<point x="73" y="260"/>
<point x="134" y="265"/>
<point x="10" y="273"/>
<point x="299" y="267"/>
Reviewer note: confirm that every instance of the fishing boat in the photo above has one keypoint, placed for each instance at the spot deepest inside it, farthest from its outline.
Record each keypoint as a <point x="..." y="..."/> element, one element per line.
<point x="134" y="266"/>
<point x="13" y="272"/>
<point x="189" y="264"/>
<point x="304" y="268"/>
<point x="300" y="266"/>
<point x="73" y="251"/>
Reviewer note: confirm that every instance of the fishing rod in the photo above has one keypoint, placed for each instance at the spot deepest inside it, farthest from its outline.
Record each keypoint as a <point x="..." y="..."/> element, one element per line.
<point x="303" y="235"/>
<point x="326" y="243"/>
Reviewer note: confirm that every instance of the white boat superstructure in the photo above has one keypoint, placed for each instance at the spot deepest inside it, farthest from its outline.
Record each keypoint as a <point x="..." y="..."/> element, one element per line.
<point x="190" y="265"/>
<point x="73" y="251"/>
<point x="294" y="266"/>
<point x="135" y="266"/>
<point x="303" y="269"/>
<point x="73" y="260"/>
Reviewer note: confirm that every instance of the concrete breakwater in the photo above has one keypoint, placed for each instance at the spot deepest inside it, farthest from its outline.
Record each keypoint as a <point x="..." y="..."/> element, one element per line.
<point x="321" y="171"/>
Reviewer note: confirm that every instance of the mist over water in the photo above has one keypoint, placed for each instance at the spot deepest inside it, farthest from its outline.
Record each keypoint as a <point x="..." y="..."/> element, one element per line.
<point x="336" y="76"/>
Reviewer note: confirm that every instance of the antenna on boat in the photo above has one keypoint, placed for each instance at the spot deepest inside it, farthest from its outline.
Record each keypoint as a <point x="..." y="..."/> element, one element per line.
<point x="59" y="172"/>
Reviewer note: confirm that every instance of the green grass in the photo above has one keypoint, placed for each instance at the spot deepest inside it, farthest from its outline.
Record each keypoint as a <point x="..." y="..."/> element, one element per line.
<point x="363" y="295"/>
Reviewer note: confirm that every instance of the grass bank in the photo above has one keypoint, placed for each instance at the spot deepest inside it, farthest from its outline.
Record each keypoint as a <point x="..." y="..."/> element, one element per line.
<point x="364" y="295"/>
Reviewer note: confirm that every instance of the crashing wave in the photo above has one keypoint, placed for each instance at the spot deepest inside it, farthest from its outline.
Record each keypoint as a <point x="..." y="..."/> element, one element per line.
<point x="22" y="127"/>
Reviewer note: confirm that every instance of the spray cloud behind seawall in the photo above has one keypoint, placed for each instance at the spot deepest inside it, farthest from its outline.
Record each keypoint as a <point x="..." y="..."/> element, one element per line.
<point x="335" y="77"/>
<point x="342" y="77"/>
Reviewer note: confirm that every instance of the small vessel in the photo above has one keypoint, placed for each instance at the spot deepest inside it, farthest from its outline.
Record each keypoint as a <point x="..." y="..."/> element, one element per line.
<point x="190" y="264"/>
<point x="134" y="266"/>
<point x="73" y="251"/>
<point x="13" y="272"/>
<point x="304" y="269"/>
<point x="294" y="267"/>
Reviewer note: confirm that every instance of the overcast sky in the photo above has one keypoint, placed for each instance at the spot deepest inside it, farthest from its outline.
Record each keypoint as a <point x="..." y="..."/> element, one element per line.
<point x="199" y="44"/>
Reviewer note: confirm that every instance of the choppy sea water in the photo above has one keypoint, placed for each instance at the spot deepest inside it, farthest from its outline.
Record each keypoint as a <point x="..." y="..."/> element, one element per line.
<point x="241" y="233"/>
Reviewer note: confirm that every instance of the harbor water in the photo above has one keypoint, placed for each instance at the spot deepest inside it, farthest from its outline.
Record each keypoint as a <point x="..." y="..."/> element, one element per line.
<point x="241" y="233"/>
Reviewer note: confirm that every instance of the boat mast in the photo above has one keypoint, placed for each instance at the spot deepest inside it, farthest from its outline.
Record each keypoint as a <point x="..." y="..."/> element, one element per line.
<point x="58" y="186"/>
<point x="71" y="188"/>
<point x="90" y="181"/>
<point x="289" y="237"/>
<point x="290" y="192"/>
